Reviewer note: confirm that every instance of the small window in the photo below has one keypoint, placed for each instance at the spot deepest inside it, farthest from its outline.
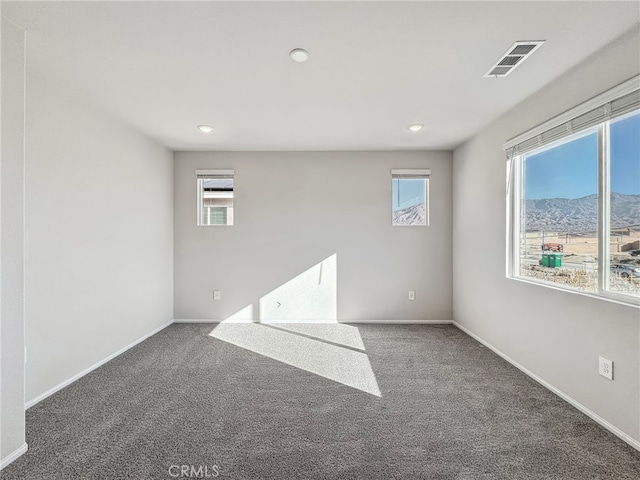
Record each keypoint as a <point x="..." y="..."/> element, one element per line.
<point x="215" y="197"/>
<point x="410" y="197"/>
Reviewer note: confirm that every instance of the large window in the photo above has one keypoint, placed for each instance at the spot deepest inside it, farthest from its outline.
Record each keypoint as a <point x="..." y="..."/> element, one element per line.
<point x="215" y="197"/>
<point x="624" y="207"/>
<point x="410" y="197"/>
<point x="559" y="212"/>
<point x="574" y="198"/>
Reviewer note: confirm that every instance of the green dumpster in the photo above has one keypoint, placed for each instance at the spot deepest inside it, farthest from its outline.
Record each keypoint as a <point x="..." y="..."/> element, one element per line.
<point x="545" y="260"/>
<point x="552" y="260"/>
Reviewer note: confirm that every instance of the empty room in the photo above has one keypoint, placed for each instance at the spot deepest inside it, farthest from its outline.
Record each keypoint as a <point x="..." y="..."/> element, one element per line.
<point x="320" y="240"/>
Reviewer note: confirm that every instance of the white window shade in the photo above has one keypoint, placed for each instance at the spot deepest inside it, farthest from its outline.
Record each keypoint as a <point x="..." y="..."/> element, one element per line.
<point x="214" y="173"/>
<point x="410" y="173"/>
<point x="618" y="101"/>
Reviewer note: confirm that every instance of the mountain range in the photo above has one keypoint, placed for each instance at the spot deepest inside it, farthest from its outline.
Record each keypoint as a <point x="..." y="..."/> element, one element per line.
<point x="580" y="215"/>
<point x="414" y="215"/>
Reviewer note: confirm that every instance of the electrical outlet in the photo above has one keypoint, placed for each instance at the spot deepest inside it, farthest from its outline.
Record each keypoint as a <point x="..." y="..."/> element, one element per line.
<point x="412" y="295"/>
<point x="216" y="294"/>
<point x="605" y="368"/>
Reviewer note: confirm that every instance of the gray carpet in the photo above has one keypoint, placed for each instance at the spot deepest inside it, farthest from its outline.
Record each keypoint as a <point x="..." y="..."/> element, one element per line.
<point x="449" y="409"/>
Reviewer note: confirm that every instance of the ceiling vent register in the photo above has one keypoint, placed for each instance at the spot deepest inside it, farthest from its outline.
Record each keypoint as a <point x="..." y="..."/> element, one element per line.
<point x="513" y="58"/>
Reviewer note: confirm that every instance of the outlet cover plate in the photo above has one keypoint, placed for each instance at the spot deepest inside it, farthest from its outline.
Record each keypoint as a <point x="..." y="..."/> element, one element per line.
<point x="605" y="367"/>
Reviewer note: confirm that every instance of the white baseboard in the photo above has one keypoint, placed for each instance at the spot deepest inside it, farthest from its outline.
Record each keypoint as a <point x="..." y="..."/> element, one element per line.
<point x="381" y="322"/>
<point x="591" y="414"/>
<point x="209" y="320"/>
<point x="316" y="322"/>
<point x="60" y="386"/>
<point x="18" y="452"/>
<point x="400" y="322"/>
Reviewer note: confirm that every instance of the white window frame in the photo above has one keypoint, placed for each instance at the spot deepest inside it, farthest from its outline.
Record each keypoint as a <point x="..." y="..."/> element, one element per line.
<point x="202" y="175"/>
<point x="415" y="173"/>
<point x="514" y="176"/>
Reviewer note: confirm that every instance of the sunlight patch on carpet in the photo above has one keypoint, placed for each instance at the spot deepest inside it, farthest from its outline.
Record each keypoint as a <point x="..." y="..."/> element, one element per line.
<point x="342" y="365"/>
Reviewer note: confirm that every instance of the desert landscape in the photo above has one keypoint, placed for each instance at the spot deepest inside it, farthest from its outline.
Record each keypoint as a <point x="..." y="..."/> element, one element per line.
<point x="572" y="224"/>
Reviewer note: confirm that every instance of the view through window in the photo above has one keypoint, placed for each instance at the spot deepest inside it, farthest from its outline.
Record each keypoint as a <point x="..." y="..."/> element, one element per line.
<point x="215" y="197"/>
<point x="624" y="207"/>
<point x="410" y="197"/>
<point x="577" y="206"/>
<point x="559" y="213"/>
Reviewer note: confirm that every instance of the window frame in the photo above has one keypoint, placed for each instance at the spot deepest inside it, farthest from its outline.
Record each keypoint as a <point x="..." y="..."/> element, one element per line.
<point x="415" y="174"/>
<point x="515" y="190"/>
<point x="201" y="176"/>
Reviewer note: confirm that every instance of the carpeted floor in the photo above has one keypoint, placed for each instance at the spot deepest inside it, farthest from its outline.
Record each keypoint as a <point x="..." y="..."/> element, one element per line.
<point x="419" y="402"/>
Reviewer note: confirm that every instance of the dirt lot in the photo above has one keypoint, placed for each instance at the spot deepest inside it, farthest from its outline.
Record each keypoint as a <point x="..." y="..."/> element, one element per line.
<point x="581" y="249"/>
<point x="581" y="279"/>
<point x="580" y="261"/>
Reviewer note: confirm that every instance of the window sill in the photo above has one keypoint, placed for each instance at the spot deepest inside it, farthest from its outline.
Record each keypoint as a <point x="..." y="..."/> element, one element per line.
<point x="609" y="297"/>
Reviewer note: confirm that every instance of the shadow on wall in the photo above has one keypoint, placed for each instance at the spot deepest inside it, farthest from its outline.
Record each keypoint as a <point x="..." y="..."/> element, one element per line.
<point x="296" y="324"/>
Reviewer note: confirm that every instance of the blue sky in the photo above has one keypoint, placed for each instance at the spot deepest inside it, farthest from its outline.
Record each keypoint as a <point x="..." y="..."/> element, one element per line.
<point x="411" y="192"/>
<point x="571" y="170"/>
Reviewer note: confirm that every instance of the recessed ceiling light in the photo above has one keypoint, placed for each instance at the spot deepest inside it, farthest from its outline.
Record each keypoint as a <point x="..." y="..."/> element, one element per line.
<point x="299" y="55"/>
<point x="205" y="128"/>
<point x="416" y="127"/>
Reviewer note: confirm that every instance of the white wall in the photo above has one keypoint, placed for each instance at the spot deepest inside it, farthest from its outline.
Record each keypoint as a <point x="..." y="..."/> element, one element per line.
<point x="99" y="236"/>
<point x="556" y="335"/>
<point x="12" y="433"/>
<point x="294" y="210"/>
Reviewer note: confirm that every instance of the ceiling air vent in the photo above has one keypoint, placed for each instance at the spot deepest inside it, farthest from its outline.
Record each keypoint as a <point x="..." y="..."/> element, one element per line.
<point x="514" y="57"/>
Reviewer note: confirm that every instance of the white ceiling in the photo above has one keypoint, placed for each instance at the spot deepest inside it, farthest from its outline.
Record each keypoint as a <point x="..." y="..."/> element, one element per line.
<point x="375" y="67"/>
